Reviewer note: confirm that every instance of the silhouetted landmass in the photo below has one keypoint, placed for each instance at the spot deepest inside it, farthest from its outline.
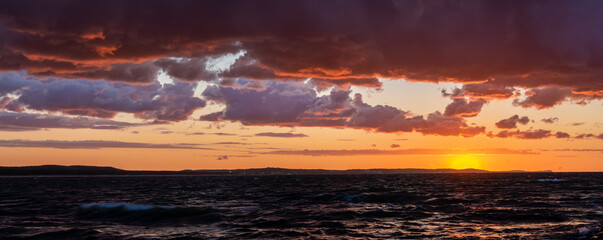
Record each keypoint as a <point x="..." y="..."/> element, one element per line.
<point x="93" y="170"/>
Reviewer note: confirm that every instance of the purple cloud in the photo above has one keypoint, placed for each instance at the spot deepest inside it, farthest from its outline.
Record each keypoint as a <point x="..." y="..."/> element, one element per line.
<point x="512" y="122"/>
<point x="170" y="102"/>
<point x="11" y="121"/>
<point x="547" y="97"/>
<point x="528" y="134"/>
<point x="281" y="135"/>
<point x="463" y="108"/>
<point x="91" y="144"/>
<point x="297" y="104"/>
<point x="550" y="120"/>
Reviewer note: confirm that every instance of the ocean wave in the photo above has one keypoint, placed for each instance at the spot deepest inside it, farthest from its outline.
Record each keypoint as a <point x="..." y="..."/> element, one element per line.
<point x="447" y="206"/>
<point x="123" y="206"/>
<point x="145" y="213"/>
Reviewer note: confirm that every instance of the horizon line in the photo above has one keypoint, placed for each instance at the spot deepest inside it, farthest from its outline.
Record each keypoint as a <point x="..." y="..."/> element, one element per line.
<point x="305" y="169"/>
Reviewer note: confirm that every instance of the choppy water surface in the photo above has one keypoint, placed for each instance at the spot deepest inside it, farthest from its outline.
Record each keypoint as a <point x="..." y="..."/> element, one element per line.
<point x="526" y="206"/>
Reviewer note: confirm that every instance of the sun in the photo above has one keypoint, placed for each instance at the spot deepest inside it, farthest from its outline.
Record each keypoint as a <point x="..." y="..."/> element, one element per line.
<point x="464" y="162"/>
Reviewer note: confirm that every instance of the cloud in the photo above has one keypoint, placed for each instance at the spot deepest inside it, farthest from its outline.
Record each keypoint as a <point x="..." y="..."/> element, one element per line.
<point x="229" y="143"/>
<point x="463" y="108"/>
<point x="575" y="150"/>
<point x="562" y="135"/>
<point x="550" y="120"/>
<point x="281" y="135"/>
<point x="589" y="135"/>
<point x="515" y="43"/>
<point x="394" y="146"/>
<point x="10" y="121"/>
<point x="547" y="97"/>
<point x="435" y="152"/>
<point x="297" y="104"/>
<point x="540" y="134"/>
<point x="170" y="102"/>
<point x="528" y="134"/>
<point x="277" y="103"/>
<point x="91" y="144"/>
<point x="486" y="91"/>
<point x="190" y="69"/>
<point x="130" y="72"/>
<point x="223" y="134"/>
<point x="512" y="122"/>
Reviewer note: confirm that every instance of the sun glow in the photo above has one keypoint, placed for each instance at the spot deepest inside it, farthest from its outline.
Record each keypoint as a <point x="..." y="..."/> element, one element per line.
<point x="465" y="161"/>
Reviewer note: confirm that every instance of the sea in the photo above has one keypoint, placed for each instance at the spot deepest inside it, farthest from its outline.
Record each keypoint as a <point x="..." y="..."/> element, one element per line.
<point x="389" y="206"/>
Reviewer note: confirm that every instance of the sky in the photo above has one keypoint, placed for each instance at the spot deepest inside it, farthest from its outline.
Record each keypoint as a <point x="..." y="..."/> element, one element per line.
<point x="172" y="85"/>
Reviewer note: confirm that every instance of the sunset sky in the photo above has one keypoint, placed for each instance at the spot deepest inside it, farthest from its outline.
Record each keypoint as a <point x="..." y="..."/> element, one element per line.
<point x="171" y="85"/>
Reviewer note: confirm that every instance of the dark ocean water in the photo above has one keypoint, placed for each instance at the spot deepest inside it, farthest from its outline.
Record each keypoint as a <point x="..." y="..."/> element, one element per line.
<point x="430" y="206"/>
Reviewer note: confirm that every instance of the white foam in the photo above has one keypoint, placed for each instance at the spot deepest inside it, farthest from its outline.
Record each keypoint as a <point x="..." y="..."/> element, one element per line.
<point x="585" y="230"/>
<point x="551" y="180"/>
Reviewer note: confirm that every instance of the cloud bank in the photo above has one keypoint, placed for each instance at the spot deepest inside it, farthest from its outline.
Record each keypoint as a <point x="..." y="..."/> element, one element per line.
<point x="99" y="98"/>
<point x="435" y="152"/>
<point x="11" y="121"/>
<point x="91" y="144"/>
<point x="507" y="43"/>
<point x="281" y="135"/>
<point x="297" y="104"/>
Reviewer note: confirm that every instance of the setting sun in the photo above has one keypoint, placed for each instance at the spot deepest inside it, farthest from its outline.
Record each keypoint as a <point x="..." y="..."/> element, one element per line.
<point x="465" y="161"/>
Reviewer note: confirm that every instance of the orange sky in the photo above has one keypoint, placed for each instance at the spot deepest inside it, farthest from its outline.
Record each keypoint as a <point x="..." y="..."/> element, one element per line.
<point x="249" y="151"/>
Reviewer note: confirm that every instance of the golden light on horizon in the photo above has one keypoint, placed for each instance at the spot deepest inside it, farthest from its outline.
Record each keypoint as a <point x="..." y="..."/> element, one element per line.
<point x="465" y="162"/>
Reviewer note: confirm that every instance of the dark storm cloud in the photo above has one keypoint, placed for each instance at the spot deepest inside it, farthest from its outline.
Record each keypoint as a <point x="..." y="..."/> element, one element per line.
<point x="281" y="135"/>
<point x="171" y="102"/>
<point x="129" y="72"/>
<point x="507" y="42"/>
<point x="512" y="122"/>
<point x="11" y="121"/>
<point x="297" y="104"/>
<point x="90" y="144"/>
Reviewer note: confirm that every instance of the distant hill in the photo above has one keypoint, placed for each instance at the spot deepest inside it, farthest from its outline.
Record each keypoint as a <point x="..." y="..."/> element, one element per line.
<point x="93" y="170"/>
